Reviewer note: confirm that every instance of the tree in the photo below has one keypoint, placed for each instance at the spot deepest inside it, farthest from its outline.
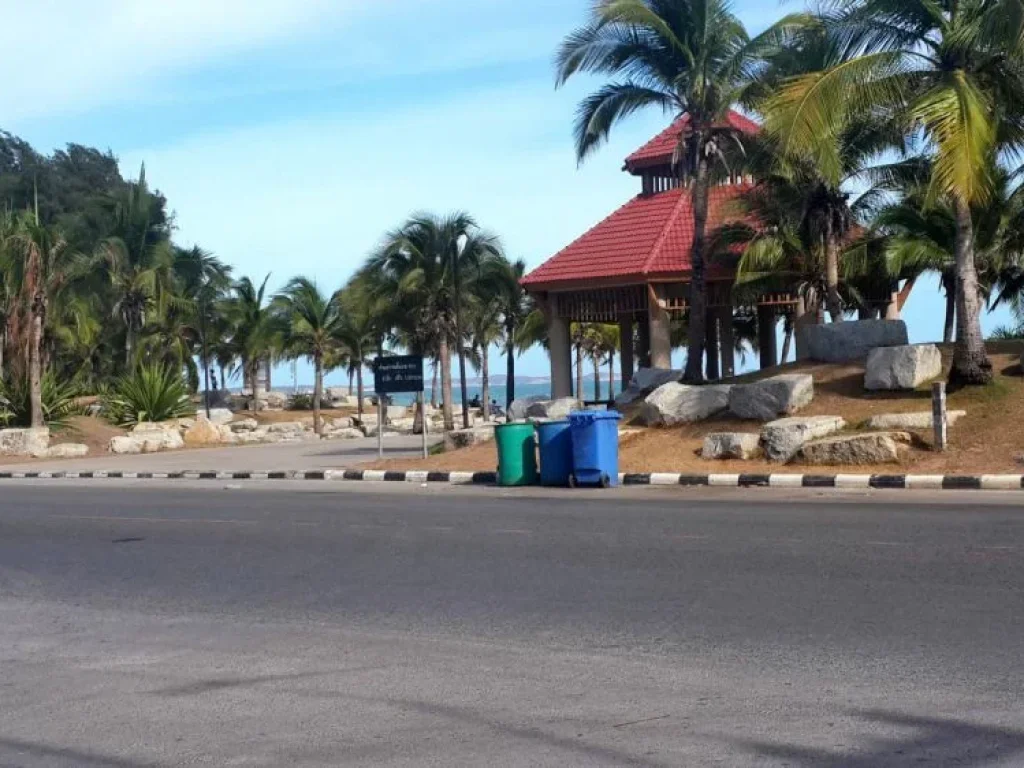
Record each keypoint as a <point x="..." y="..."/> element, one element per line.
<point x="253" y="329"/>
<point x="425" y="269"/>
<point x="138" y="259"/>
<point x="502" y="280"/>
<point x="689" y="57"/>
<point x="485" y="330"/>
<point x="362" y="323"/>
<point x="948" y="69"/>
<point x="310" y="322"/>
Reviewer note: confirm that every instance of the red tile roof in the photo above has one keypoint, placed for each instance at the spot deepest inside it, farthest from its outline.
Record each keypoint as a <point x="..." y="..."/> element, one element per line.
<point x="647" y="237"/>
<point x="659" y="149"/>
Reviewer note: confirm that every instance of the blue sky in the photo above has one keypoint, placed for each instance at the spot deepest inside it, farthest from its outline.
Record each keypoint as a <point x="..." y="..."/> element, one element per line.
<point x="289" y="135"/>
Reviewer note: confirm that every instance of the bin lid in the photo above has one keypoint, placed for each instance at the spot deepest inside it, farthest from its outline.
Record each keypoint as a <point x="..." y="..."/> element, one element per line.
<point x="584" y="417"/>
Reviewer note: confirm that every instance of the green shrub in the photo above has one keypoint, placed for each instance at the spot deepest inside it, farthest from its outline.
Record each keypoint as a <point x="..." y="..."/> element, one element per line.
<point x="304" y="402"/>
<point x="59" y="402"/>
<point x="151" y="393"/>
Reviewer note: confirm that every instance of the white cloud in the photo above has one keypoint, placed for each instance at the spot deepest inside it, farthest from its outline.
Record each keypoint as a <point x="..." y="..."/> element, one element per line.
<point x="75" y="55"/>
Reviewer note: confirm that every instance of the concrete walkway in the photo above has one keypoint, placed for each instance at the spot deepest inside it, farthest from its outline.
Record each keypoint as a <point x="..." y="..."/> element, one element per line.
<point x="329" y="454"/>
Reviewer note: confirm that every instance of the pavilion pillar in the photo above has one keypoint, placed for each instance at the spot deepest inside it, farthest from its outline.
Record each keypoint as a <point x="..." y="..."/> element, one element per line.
<point x="626" y="350"/>
<point x="560" y="350"/>
<point x="728" y="343"/>
<point x="711" y="344"/>
<point x="643" y="344"/>
<point x="660" y="332"/>
<point x="766" y="342"/>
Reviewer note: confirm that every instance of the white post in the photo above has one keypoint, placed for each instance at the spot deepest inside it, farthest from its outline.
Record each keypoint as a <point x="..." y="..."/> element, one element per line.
<point x="939" y="420"/>
<point x="380" y="426"/>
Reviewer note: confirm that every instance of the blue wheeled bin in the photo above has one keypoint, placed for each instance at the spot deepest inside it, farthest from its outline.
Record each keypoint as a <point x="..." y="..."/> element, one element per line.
<point x="595" y="447"/>
<point x="554" y="440"/>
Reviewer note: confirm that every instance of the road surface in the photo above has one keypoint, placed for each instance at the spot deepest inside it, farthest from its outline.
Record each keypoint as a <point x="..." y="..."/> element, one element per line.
<point x="267" y="628"/>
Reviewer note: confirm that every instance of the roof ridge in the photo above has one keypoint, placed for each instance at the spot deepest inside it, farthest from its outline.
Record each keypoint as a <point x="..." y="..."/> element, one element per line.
<point x="685" y="194"/>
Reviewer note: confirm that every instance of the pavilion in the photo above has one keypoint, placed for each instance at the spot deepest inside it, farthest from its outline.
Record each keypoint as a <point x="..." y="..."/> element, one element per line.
<point x="633" y="269"/>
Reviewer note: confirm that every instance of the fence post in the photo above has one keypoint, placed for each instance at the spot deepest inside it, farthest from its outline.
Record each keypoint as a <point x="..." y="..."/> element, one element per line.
<point x="939" y="414"/>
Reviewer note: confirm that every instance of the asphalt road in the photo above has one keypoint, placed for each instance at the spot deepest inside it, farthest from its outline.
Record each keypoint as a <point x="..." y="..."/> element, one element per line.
<point x="263" y="628"/>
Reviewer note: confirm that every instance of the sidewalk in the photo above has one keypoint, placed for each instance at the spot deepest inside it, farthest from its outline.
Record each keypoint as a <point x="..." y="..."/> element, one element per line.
<point x="313" y="455"/>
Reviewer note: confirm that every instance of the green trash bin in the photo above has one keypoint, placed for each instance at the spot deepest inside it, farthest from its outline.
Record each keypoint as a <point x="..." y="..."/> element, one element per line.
<point x="517" y="454"/>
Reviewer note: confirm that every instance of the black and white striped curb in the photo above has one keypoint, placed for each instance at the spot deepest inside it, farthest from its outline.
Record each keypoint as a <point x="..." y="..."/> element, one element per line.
<point x="840" y="481"/>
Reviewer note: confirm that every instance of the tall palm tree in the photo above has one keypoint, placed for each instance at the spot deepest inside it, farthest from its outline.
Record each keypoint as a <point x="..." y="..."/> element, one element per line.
<point x="485" y="330"/>
<point x="253" y="329"/>
<point x="310" y="321"/>
<point x="949" y="69"/>
<point x="362" y="320"/>
<point x="689" y="57"/>
<point x="502" y="280"/>
<point x="426" y="269"/>
<point x="138" y="259"/>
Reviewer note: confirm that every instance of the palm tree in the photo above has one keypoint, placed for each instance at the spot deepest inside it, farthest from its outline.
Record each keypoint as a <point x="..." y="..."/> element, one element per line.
<point x="485" y="330"/>
<point x="686" y="57"/>
<point x="360" y="327"/>
<point x="253" y="329"/>
<point x="138" y="259"/>
<point x="310" y="322"/>
<point x="949" y="69"/>
<point x="425" y="269"/>
<point x="502" y="279"/>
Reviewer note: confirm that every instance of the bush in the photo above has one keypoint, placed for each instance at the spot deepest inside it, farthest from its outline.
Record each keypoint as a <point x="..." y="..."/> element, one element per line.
<point x="59" y="402"/>
<point x="303" y="402"/>
<point x="151" y="393"/>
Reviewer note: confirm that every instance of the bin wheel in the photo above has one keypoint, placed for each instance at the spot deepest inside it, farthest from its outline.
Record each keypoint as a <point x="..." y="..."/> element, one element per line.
<point x="605" y="480"/>
<point x="572" y="481"/>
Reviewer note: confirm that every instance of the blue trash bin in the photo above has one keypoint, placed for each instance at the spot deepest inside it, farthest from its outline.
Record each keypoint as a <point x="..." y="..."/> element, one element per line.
<point x="554" y="439"/>
<point x="595" y="447"/>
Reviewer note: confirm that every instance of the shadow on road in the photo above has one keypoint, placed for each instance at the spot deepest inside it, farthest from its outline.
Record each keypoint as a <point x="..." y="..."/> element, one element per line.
<point x="936" y="741"/>
<point x="14" y="752"/>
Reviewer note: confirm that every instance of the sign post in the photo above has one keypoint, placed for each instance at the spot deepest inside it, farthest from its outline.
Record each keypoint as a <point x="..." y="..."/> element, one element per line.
<point x="400" y="374"/>
<point x="939" y="418"/>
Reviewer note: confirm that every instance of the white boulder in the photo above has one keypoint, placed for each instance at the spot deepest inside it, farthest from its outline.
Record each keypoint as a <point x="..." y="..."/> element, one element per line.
<point x="125" y="444"/>
<point x="517" y="411"/>
<point x="244" y="425"/>
<point x="731" y="445"/>
<point x="553" y="409"/>
<point x="903" y="367"/>
<point x="674" y="403"/>
<point x="217" y="415"/>
<point x="24" y="442"/>
<point x="772" y="397"/>
<point x="782" y="439"/>
<point x="643" y="383"/>
<point x="913" y="420"/>
<point x="463" y="438"/>
<point x="865" y="448"/>
<point x="66" y="451"/>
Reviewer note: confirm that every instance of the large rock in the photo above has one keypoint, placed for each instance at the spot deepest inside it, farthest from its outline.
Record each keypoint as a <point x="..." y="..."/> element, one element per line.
<point x="344" y="433"/>
<point x="125" y="444"/>
<point x="394" y="412"/>
<point x="517" y="411"/>
<point x="782" y="439"/>
<point x="204" y="432"/>
<point x="913" y="420"/>
<point x="866" y="448"/>
<point x="66" y="451"/>
<point x="553" y="409"/>
<point x="286" y="428"/>
<point x="769" y="398"/>
<point x="244" y="425"/>
<point x="674" y="403"/>
<point x="273" y="400"/>
<point x="24" y="442"/>
<point x="217" y="415"/>
<point x="731" y="445"/>
<point x="903" y="367"/>
<point x="162" y="436"/>
<point x="848" y="341"/>
<point x="464" y="438"/>
<point x="155" y="426"/>
<point x="643" y="383"/>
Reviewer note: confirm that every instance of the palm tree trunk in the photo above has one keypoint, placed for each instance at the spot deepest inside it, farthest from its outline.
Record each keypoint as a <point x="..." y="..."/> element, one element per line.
<point x="129" y="348"/>
<point x="433" y="384"/>
<point x="351" y="376"/>
<point x="832" y="298"/>
<point x="223" y="380"/>
<point x="694" y="372"/>
<point x="787" y="340"/>
<point x="971" y="365"/>
<point x="253" y="375"/>
<point x="485" y="384"/>
<point x="579" y="372"/>
<point x="35" y="368"/>
<point x="318" y="391"/>
<point x="446" y="383"/>
<point x="510" y="374"/>
<point x="611" y="374"/>
<point x="266" y="376"/>
<point x="947" y="328"/>
<point x="597" y="377"/>
<point x="359" y="389"/>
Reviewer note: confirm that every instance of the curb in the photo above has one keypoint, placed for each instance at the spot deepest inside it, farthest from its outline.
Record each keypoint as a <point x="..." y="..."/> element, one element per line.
<point x="842" y="482"/>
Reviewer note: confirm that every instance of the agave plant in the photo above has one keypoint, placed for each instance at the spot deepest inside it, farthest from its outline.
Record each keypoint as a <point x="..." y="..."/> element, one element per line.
<point x="59" y="401"/>
<point x="151" y="393"/>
